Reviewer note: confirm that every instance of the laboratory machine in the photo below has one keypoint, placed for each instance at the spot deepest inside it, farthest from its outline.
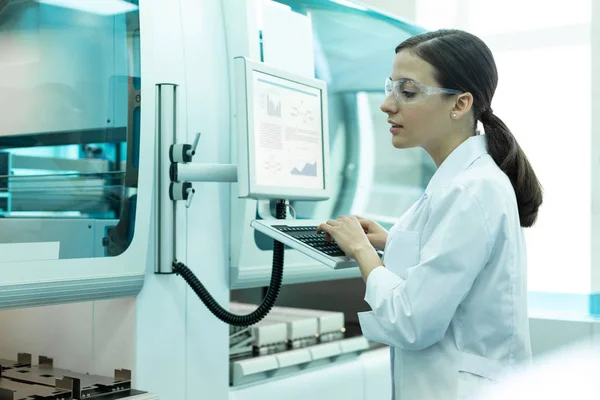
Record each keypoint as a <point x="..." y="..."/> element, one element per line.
<point x="151" y="155"/>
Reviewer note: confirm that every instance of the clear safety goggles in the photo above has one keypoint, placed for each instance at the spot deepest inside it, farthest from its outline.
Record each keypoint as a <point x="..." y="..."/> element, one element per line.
<point x="409" y="91"/>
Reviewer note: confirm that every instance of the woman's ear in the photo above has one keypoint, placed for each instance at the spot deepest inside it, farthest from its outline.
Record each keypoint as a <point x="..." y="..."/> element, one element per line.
<point x="462" y="105"/>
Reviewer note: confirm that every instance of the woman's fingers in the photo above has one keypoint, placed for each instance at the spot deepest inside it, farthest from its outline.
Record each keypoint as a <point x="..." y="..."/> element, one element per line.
<point x="324" y="227"/>
<point x="365" y="223"/>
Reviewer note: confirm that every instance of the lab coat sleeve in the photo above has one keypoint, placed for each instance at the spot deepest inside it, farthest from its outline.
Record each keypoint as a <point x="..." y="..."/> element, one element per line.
<point x="455" y="246"/>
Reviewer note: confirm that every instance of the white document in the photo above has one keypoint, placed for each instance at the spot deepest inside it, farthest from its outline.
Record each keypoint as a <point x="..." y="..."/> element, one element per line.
<point x="36" y="251"/>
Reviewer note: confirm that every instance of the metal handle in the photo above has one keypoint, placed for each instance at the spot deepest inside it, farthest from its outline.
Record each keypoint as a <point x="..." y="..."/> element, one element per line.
<point x="190" y="193"/>
<point x="191" y="152"/>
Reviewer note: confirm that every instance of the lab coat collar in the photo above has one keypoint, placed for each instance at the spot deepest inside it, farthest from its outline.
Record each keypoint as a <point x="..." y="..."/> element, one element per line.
<point x="460" y="159"/>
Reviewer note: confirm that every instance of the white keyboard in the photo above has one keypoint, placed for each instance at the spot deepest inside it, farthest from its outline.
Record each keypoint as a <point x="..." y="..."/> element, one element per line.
<point x="302" y="235"/>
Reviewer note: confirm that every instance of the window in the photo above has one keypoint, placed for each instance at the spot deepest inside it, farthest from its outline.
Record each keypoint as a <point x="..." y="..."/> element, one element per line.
<point x="544" y="98"/>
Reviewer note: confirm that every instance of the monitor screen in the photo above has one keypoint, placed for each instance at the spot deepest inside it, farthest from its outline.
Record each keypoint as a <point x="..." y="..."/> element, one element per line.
<point x="288" y="129"/>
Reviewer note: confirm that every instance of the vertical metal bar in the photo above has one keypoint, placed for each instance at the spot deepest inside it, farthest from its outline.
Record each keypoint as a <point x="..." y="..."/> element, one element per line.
<point x="165" y="208"/>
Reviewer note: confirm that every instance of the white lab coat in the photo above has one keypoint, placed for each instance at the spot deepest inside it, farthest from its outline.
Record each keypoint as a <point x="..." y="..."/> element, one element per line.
<point x="451" y="300"/>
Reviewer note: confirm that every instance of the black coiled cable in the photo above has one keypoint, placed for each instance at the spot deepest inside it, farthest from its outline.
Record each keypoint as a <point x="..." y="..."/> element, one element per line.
<point x="269" y="299"/>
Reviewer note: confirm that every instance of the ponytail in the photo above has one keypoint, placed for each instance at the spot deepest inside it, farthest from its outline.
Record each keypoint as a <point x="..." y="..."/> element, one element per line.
<point x="508" y="155"/>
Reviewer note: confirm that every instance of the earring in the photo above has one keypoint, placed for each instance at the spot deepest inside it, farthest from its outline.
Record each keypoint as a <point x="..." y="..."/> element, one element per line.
<point x="453" y="115"/>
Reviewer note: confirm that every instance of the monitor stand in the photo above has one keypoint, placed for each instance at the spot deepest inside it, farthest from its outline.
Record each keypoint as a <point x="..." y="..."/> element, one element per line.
<point x="264" y="210"/>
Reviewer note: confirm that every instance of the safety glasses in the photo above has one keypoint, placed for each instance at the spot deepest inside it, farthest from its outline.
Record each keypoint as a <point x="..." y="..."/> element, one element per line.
<point x="409" y="91"/>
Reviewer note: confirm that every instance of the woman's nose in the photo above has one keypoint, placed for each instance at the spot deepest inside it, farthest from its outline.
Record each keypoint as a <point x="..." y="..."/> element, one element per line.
<point x="389" y="105"/>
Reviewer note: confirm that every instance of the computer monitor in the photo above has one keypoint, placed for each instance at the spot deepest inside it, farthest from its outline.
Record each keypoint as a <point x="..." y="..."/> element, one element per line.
<point x="282" y="133"/>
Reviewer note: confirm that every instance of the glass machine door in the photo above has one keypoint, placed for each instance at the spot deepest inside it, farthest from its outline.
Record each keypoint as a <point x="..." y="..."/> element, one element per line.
<point x="69" y="126"/>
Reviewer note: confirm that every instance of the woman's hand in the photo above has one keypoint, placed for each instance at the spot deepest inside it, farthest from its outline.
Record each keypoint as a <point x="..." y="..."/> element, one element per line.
<point x="376" y="234"/>
<point x="348" y="234"/>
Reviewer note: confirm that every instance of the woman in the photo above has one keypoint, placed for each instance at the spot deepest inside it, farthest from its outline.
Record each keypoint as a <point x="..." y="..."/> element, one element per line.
<point x="451" y="296"/>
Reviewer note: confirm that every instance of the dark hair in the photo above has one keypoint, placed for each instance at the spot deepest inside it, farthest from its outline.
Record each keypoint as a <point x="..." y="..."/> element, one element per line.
<point x="463" y="62"/>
